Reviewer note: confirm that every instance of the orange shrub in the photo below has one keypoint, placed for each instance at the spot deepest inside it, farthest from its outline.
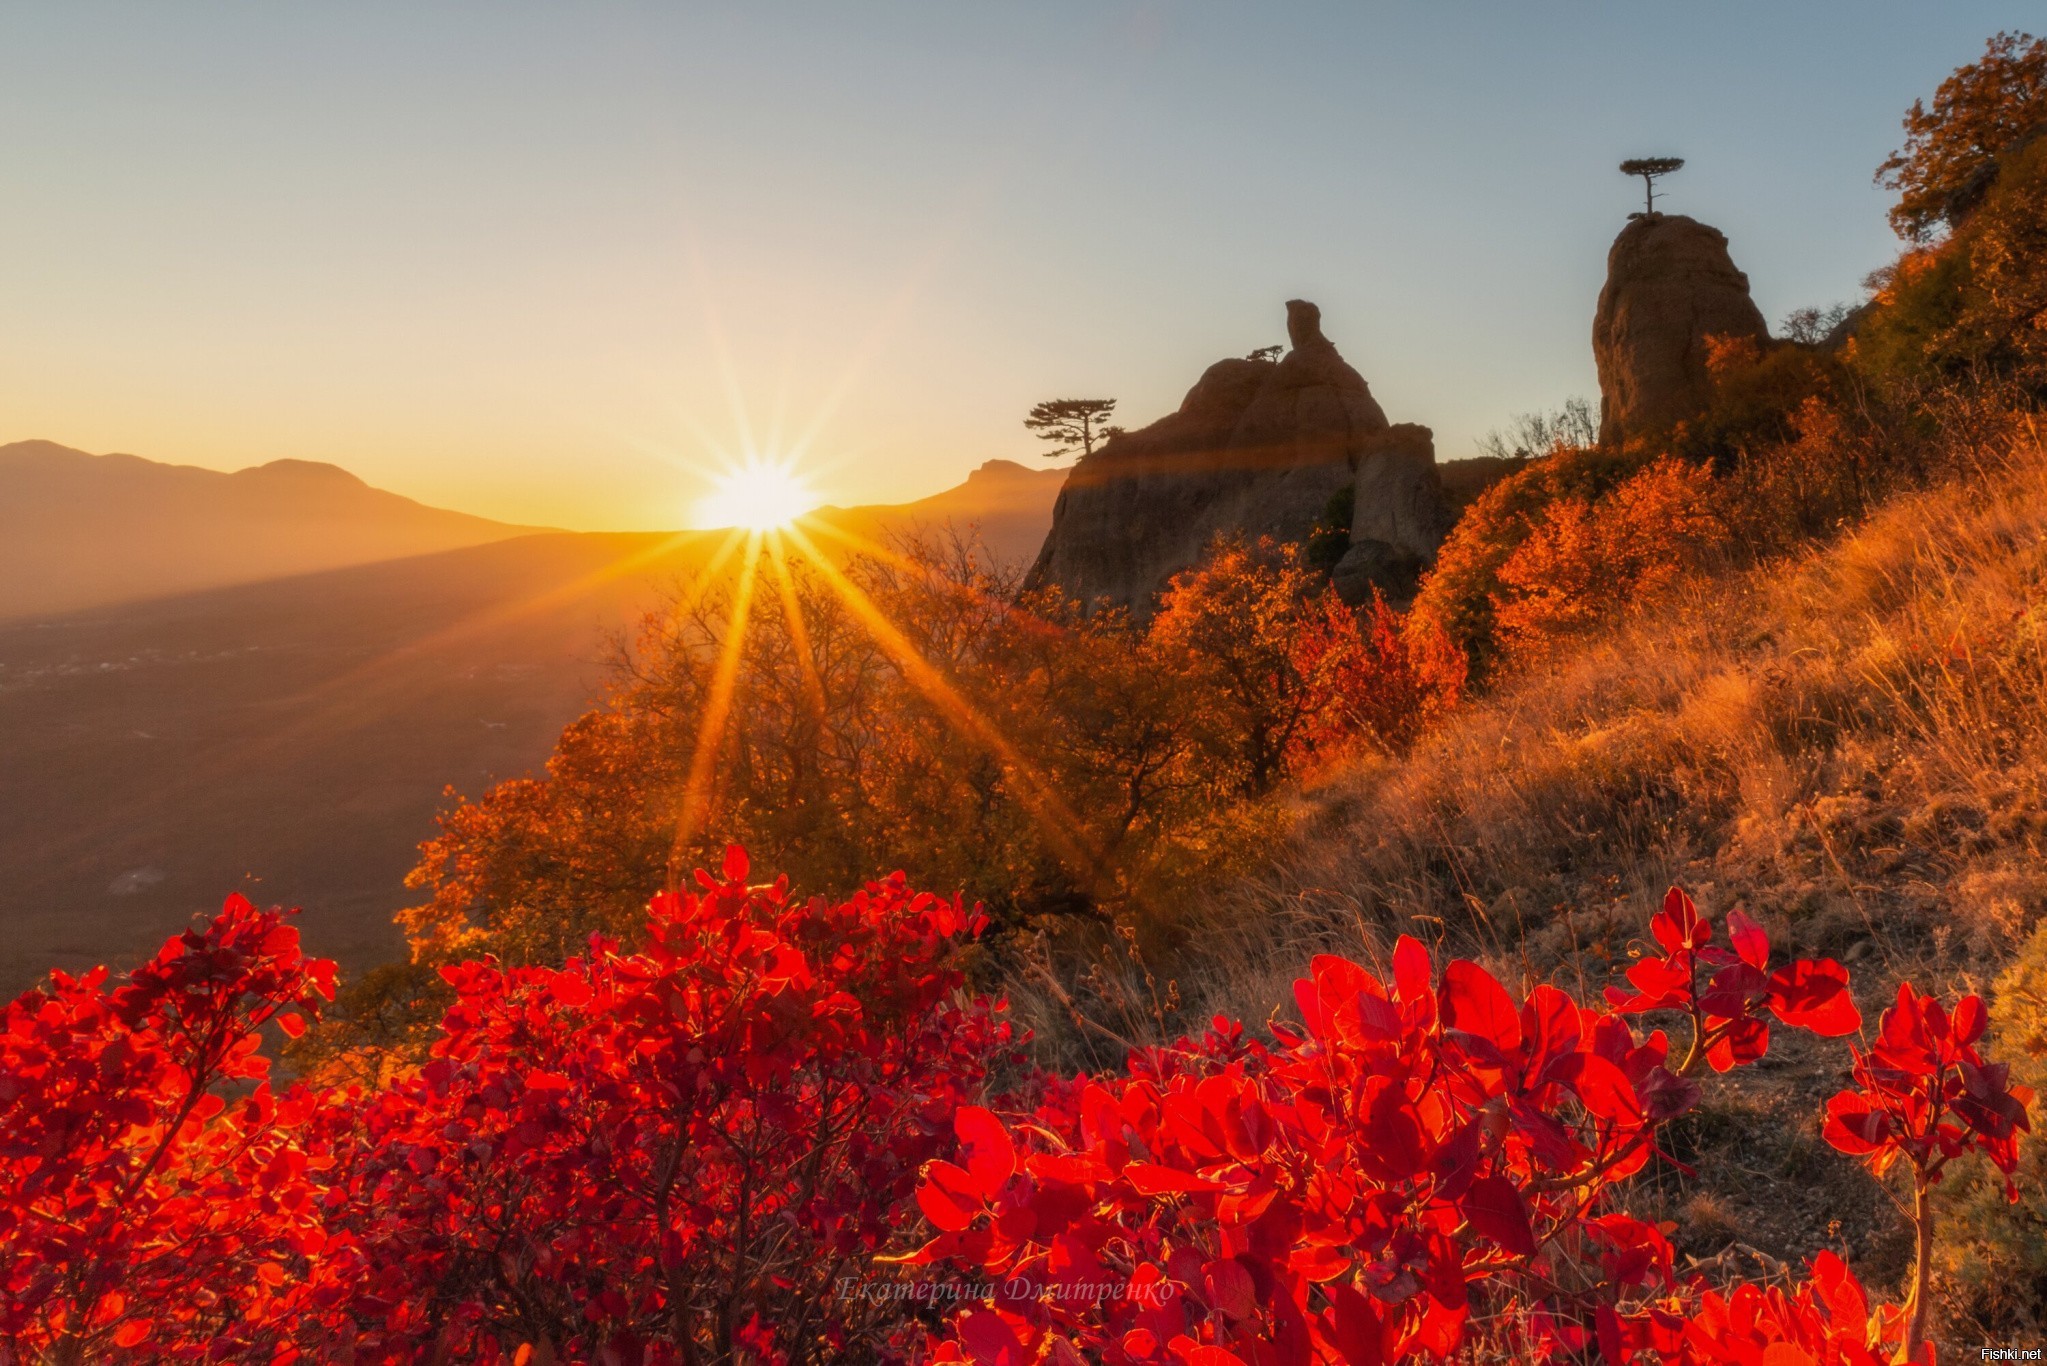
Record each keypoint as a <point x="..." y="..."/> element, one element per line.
<point x="1380" y="678"/>
<point x="1456" y="596"/>
<point x="1586" y="561"/>
<point x="1288" y="673"/>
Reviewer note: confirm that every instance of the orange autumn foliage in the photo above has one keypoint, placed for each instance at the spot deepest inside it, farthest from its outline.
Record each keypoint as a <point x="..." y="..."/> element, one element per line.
<point x="1068" y="763"/>
<point x="1587" y="560"/>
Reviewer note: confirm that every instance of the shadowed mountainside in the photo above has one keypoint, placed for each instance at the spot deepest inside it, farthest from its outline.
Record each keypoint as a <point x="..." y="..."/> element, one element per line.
<point x="290" y="739"/>
<point x="80" y="530"/>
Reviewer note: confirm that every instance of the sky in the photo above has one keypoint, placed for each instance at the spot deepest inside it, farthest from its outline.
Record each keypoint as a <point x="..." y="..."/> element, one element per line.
<point x="556" y="263"/>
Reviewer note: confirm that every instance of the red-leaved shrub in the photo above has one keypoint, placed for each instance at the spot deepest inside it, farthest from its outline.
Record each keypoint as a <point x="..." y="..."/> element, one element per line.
<point x="153" y="1190"/>
<point x="1429" y="1168"/>
<point x="1924" y="1094"/>
<point x="768" y="1136"/>
<point x="682" y="1154"/>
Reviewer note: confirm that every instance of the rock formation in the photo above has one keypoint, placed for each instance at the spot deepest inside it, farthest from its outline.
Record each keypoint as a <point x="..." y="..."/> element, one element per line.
<point x="1256" y="448"/>
<point x="1399" y="514"/>
<point x="1670" y="285"/>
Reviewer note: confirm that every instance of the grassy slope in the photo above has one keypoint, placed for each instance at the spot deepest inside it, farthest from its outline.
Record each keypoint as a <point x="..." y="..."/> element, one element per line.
<point x="1853" y="745"/>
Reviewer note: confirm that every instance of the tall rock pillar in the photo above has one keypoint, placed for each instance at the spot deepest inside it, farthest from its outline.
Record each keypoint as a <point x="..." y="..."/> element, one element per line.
<point x="1670" y="285"/>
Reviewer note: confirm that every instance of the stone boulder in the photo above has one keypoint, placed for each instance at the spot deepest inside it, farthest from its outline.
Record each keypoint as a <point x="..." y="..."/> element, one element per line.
<point x="1670" y="285"/>
<point x="1398" y="515"/>
<point x="1257" y="448"/>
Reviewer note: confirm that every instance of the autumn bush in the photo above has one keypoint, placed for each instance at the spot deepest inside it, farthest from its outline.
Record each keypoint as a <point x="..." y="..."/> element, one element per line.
<point x="679" y="1154"/>
<point x="1586" y="561"/>
<point x="686" y="1153"/>
<point x="1972" y="303"/>
<point x="1978" y="111"/>
<point x="1424" y="1169"/>
<point x="1291" y="674"/>
<point x="758" y="1139"/>
<point x="154" y="1188"/>
<point x="1459" y="594"/>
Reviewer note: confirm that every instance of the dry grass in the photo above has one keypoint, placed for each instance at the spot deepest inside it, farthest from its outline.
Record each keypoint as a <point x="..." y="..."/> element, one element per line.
<point x="1852" y="744"/>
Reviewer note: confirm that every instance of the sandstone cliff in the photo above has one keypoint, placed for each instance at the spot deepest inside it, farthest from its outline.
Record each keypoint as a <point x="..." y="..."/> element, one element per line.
<point x="1670" y="285"/>
<point x="1256" y="448"/>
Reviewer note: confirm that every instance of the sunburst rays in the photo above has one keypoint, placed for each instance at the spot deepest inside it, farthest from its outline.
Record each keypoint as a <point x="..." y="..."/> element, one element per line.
<point x="699" y="787"/>
<point x="784" y="550"/>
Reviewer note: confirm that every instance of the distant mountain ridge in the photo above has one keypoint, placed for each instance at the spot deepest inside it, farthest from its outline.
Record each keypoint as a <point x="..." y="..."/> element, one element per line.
<point x="81" y="530"/>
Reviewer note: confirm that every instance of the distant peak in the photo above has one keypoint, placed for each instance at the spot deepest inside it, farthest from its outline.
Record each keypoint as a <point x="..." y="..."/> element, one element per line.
<point x="300" y="469"/>
<point x="1001" y="469"/>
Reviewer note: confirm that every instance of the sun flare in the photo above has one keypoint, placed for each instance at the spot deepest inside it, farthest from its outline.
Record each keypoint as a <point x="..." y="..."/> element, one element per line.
<point x="760" y="495"/>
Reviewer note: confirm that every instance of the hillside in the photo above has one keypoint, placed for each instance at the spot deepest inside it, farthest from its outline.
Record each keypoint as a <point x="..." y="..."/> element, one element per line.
<point x="1852" y="740"/>
<point x="1851" y="745"/>
<point x="80" y="530"/>
<point x="289" y="738"/>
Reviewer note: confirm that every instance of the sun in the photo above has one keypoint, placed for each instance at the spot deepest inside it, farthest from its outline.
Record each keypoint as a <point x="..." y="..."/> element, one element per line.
<point x="761" y="495"/>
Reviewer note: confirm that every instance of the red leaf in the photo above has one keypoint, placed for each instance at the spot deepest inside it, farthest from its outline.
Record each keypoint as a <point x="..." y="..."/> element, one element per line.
<point x="1843" y="1293"/>
<point x="1739" y="1043"/>
<point x="1603" y="1087"/>
<point x="134" y="1331"/>
<point x="986" y="1150"/>
<point x="1854" y="1126"/>
<point x="1352" y="1328"/>
<point x="1970" y="1020"/>
<point x="1660" y="984"/>
<point x="1351" y="1002"/>
<point x="1474" y="1002"/>
<point x="1750" y="943"/>
<point x="1230" y="1289"/>
<point x="949" y="1197"/>
<point x="1495" y="1209"/>
<point x="1411" y="970"/>
<point x="1678" y="926"/>
<point x="990" y="1341"/>
<point x="1397" y="1145"/>
<point x="1814" y="995"/>
<point x="735" y="863"/>
<point x="1149" y="1178"/>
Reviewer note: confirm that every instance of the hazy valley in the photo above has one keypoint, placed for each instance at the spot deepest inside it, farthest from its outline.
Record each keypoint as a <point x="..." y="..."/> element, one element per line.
<point x="291" y="738"/>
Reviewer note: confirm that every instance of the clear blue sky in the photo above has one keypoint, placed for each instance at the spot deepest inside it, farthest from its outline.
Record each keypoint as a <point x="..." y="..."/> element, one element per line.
<point x="536" y="260"/>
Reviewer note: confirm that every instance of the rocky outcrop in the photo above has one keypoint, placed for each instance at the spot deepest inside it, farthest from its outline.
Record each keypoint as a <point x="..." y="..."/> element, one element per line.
<point x="1256" y="448"/>
<point x="1398" y="515"/>
<point x="1670" y="285"/>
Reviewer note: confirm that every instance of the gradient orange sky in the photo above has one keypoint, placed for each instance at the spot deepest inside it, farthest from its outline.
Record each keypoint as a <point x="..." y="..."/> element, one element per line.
<point x="544" y="262"/>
